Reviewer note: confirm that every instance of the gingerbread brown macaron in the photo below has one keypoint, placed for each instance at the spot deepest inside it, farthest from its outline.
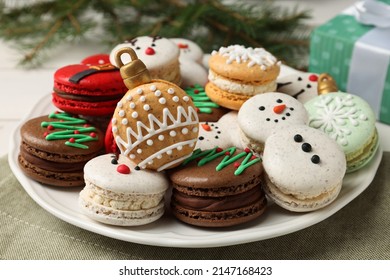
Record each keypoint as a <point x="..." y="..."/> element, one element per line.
<point x="55" y="148"/>
<point x="237" y="73"/>
<point x="218" y="188"/>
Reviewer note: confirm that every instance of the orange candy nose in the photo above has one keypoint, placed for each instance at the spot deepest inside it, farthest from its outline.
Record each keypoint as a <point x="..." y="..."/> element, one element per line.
<point x="279" y="109"/>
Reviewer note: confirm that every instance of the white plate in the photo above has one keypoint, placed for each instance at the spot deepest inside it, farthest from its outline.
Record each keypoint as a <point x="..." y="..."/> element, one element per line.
<point x="169" y="232"/>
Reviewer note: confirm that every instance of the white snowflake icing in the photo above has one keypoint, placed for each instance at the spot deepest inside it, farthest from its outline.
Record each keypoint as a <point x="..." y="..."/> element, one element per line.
<point x="251" y="56"/>
<point x="333" y="114"/>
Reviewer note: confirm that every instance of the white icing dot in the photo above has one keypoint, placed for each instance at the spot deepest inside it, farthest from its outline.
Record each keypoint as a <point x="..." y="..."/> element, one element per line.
<point x="142" y="98"/>
<point x="129" y="97"/>
<point x="157" y="93"/>
<point x="172" y="133"/>
<point x="132" y="105"/>
<point x="139" y="151"/>
<point x="119" y="104"/>
<point x="179" y="148"/>
<point x="186" y="98"/>
<point x="153" y="87"/>
<point x="134" y="115"/>
<point x="184" y="130"/>
<point x="161" y="137"/>
<point x="162" y="100"/>
<point x="101" y="61"/>
<point x="343" y="142"/>
<point x="146" y="107"/>
<point x="169" y="152"/>
<point x="171" y="91"/>
<point x="113" y="121"/>
<point x="140" y="91"/>
<point x="149" y="142"/>
<point x="132" y="156"/>
<point x="125" y="121"/>
<point x="191" y="145"/>
<point x="195" y="129"/>
<point x="363" y="117"/>
<point x="175" y="98"/>
<point x="121" y="113"/>
<point x="114" y="129"/>
<point x="159" y="156"/>
<point x="150" y="162"/>
<point x="263" y="67"/>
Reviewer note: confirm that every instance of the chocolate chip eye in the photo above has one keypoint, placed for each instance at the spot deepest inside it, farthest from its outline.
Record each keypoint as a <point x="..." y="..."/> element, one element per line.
<point x="279" y="100"/>
<point x="287" y="114"/>
<point x="114" y="161"/>
<point x="298" y="138"/>
<point x="306" y="147"/>
<point x="137" y="168"/>
<point x="201" y="138"/>
<point x="308" y="86"/>
<point x="137" y="48"/>
<point x="299" y="78"/>
<point x="291" y="108"/>
<point x="267" y="119"/>
<point x="315" y="159"/>
<point x="261" y="108"/>
<point x="153" y="45"/>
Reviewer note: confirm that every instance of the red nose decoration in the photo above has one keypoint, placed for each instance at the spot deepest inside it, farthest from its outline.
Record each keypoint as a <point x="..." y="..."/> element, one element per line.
<point x="279" y="109"/>
<point x="150" y="51"/>
<point x="313" y="78"/>
<point x="123" y="169"/>
<point x="182" y="46"/>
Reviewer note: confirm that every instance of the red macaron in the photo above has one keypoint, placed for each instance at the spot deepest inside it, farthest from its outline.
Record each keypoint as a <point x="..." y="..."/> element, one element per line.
<point x="91" y="88"/>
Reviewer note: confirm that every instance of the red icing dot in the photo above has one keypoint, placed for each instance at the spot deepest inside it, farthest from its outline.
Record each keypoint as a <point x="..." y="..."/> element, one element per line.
<point x="197" y="110"/>
<point x="196" y="91"/>
<point x="50" y="127"/>
<point x="253" y="157"/>
<point x="123" y="169"/>
<point x="86" y="125"/>
<point x="279" y="108"/>
<point x="150" y="51"/>
<point x="72" y="140"/>
<point x="247" y="150"/>
<point x="92" y="134"/>
<point x="227" y="153"/>
<point x="218" y="150"/>
<point x="45" y="134"/>
<point x="236" y="164"/>
<point x="76" y="132"/>
<point x="313" y="78"/>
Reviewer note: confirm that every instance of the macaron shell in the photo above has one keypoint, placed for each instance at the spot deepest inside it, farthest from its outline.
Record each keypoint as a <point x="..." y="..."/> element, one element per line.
<point x="189" y="50"/>
<point x="302" y="86"/>
<point x="100" y="171"/>
<point x="96" y="59"/>
<point x="260" y="115"/>
<point x="291" y="168"/>
<point x="225" y="99"/>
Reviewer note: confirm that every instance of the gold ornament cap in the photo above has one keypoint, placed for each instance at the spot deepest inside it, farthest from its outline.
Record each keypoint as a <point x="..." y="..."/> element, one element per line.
<point x="133" y="73"/>
<point x="326" y="84"/>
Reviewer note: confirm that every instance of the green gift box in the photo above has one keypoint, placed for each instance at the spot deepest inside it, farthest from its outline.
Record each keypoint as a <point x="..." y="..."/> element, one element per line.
<point x="357" y="54"/>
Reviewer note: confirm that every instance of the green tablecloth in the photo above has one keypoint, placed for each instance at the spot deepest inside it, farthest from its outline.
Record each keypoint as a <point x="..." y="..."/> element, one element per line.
<point x="361" y="230"/>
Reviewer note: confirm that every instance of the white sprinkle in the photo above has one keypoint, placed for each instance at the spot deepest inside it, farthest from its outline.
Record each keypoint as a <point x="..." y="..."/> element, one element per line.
<point x="142" y="98"/>
<point x="134" y="115"/>
<point x="162" y="100"/>
<point x="363" y="117"/>
<point x="146" y="107"/>
<point x="184" y="130"/>
<point x="161" y="137"/>
<point x="125" y="121"/>
<point x="132" y="105"/>
<point x="114" y="129"/>
<point x="150" y="162"/>
<point x="113" y="121"/>
<point x="175" y="98"/>
<point x="132" y="156"/>
<point x="157" y="93"/>
<point x="195" y="129"/>
<point x="179" y="148"/>
<point x="129" y="97"/>
<point x="171" y="91"/>
<point x="139" y="151"/>
<point x="121" y="113"/>
<point x="159" y="156"/>
<point x="140" y="91"/>
<point x="101" y="61"/>
<point x="172" y="133"/>
<point x="153" y="87"/>
<point x="263" y="67"/>
<point x="149" y="142"/>
<point x="169" y="152"/>
<point x="186" y="98"/>
<point x="119" y="105"/>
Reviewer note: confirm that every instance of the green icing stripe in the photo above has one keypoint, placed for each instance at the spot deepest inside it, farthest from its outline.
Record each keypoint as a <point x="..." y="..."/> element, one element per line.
<point x="201" y="100"/>
<point x="212" y="154"/>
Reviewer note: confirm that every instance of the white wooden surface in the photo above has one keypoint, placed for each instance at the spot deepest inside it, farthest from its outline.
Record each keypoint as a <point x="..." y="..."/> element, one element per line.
<point x="21" y="88"/>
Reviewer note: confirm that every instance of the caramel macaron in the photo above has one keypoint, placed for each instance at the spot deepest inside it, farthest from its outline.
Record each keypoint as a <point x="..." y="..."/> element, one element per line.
<point x="218" y="188"/>
<point x="237" y="73"/>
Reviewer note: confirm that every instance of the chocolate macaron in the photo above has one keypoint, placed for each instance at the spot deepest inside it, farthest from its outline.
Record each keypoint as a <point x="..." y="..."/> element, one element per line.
<point x="218" y="188"/>
<point x="55" y="148"/>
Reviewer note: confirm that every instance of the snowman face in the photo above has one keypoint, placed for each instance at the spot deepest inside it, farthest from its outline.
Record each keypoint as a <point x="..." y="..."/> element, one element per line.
<point x="188" y="50"/>
<point x="153" y="51"/>
<point x="210" y="136"/>
<point x="302" y="86"/>
<point x="268" y="111"/>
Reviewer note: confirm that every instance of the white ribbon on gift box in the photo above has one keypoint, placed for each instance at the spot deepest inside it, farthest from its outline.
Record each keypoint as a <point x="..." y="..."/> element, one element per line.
<point x="371" y="54"/>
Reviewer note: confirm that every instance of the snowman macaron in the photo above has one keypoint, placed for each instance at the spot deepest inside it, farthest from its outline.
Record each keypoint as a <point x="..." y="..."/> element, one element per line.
<point x="263" y="113"/>
<point x="160" y="55"/>
<point x="302" y="85"/>
<point x="304" y="168"/>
